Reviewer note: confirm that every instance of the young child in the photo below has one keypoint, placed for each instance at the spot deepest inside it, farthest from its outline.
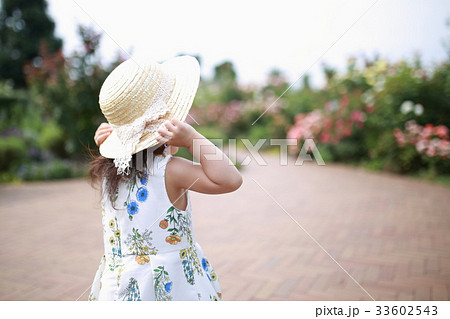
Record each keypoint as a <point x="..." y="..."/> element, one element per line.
<point x="151" y="251"/>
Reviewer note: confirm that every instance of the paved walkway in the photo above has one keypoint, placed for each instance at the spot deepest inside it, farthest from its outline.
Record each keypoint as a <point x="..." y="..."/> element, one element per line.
<point x="290" y="233"/>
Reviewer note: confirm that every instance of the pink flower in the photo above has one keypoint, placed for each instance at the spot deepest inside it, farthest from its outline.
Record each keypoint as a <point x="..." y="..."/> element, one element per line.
<point x="441" y="131"/>
<point x="431" y="150"/>
<point x="295" y="132"/>
<point x="327" y="123"/>
<point x="357" y="116"/>
<point x="422" y="145"/>
<point x="444" y="148"/>
<point x="324" y="137"/>
<point x="412" y="127"/>
<point x="427" y="131"/>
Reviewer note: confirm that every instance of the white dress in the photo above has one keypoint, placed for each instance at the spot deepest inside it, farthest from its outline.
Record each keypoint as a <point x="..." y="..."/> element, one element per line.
<point x="150" y="247"/>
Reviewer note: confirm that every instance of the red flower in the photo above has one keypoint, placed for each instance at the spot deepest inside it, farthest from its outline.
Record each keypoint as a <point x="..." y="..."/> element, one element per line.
<point x="441" y="131"/>
<point x="324" y="137"/>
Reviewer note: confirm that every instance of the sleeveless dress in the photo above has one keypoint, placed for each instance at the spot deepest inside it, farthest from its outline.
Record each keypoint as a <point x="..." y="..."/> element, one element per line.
<point x="150" y="247"/>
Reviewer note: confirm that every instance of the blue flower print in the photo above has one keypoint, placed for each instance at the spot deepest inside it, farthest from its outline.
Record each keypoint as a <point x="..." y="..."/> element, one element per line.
<point x="132" y="208"/>
<point x="168" y="286"/>
<point x="142" y="194"/>
<point x="205" y="264"/>
<point x="144" y="179"/>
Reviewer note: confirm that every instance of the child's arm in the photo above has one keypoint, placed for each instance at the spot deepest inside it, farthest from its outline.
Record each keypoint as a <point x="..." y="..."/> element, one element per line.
<point x="215" y="174"/>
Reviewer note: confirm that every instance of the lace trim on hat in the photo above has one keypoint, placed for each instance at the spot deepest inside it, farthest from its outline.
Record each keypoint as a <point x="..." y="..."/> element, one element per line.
<point x="130" y="134"/>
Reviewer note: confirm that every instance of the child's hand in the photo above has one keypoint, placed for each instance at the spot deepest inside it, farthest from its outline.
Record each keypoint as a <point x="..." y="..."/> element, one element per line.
<point x="176" y="133"/>
<point x="103" y="131"/>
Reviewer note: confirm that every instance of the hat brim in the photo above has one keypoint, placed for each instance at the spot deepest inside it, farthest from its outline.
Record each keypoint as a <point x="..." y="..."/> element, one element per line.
<point x="186" y="71"/>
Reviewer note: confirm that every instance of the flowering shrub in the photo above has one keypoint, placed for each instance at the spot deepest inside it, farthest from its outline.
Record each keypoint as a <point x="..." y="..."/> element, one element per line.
<point x="430" y="140"/>
<point x="221" y="114"/>
<point x="328" y="126"/>
<point x="364" y="109"/>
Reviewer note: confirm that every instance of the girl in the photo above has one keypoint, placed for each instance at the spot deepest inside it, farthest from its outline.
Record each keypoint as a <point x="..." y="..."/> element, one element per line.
<point x="150" y="247"/>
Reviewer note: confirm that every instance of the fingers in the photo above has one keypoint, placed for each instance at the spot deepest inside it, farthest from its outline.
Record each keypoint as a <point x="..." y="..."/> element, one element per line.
<point x="103" y="131"/>
<point x="173" y="132"/>
<point x="161" y="138"/>
<point x="164" y="134"/>
<point x="105" y="126"/>
<point x="100" y="138"/>
<point x="170" y="126"/>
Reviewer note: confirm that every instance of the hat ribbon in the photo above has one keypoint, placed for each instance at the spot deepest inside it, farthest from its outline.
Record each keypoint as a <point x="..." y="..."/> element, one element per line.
<point x="131" y="133"/>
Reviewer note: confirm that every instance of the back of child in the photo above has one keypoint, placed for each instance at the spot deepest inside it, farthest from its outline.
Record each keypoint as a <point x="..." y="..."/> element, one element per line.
<point x="150" y="248"/>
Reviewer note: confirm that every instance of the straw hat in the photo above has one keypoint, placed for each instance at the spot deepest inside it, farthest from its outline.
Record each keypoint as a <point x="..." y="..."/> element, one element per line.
<point x="138" y="96"/>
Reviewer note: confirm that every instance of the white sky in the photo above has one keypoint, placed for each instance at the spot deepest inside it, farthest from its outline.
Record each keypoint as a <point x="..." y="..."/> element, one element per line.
<point x="260" y="35"/>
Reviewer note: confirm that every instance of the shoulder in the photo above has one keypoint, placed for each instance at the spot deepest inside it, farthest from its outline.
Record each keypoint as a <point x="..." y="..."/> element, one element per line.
<point x="182" y="173"/>
<point x="177" y="166"/>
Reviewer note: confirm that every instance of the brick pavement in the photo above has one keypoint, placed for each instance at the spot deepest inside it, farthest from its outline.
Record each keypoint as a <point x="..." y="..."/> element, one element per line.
<point x="390" y="233"/>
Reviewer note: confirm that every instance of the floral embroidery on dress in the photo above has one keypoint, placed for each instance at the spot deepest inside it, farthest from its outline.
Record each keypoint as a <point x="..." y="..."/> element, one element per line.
<point x="180" y="224"/>
<point x="141" y="194"/>
<point x="131" y="292"/>
<point x="116" y="246"/>
<point x="163" y="284"/>
<point x="144" y="179"/>
<point x="190" y="261"/>
<point x="140" y="245"/>
<point x="209" y="273"/>
<point x="132" y="209"/>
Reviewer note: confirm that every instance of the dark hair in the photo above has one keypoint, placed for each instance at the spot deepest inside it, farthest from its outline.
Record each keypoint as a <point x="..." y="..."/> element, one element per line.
<point x="102" y="167"/>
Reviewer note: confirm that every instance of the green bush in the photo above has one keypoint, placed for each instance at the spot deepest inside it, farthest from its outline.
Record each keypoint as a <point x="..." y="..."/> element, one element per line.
<point x="52" y="169"/>
<point x="52" y="139"/>
<point x="12" y="152"/>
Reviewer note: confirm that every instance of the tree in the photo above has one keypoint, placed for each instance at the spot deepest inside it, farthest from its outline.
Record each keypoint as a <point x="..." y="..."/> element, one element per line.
<point x="24" y="27"/>
<point x="66" y="91"/>
<point x="225" y="79"/>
